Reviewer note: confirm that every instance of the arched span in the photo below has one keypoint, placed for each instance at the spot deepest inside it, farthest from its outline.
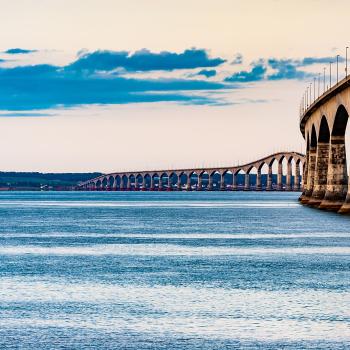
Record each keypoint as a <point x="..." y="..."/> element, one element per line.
<point x="324" y="133"/>
<point x="313" y="139"/>
<point x="340" y="122"/>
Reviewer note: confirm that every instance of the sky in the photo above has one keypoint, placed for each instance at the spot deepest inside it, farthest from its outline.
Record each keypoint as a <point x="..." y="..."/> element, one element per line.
<point x="102" y="85"/>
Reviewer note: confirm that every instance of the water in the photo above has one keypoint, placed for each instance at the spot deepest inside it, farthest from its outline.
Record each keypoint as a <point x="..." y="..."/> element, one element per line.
<point x="172" y="271"/>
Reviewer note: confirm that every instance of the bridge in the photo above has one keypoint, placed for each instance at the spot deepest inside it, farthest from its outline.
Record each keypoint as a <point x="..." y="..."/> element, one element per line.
<point x="240" y="177"/>
<point x="323" y="123"/>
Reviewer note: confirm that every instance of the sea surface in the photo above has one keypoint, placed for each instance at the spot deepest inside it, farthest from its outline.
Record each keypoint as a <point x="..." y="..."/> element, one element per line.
<point x="199" y="270"/>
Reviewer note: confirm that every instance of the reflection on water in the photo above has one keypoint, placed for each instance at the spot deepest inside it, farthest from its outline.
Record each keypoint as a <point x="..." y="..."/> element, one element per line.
<point x="172" y="271"/>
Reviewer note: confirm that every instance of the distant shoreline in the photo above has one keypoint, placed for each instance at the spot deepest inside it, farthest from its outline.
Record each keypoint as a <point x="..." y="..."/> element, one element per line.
<point x="36" y="181"/>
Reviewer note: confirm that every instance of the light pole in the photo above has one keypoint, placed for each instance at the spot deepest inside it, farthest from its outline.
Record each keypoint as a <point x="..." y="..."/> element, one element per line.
<point x="314" y="89"/>
<point x="307" y="97"/>
<point x="330" y="74"/>
<point x="346" y="61"/>
<point x="337" y="67"/>
<point x="318" y="89"/>
<point x="324" y="79"/>
<point x="310" y="92"/>
<point x="302" y="104"/>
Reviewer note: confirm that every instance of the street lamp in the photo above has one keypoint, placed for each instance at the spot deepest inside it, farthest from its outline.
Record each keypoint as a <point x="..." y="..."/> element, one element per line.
<point x="310" y="92"/>
<point x="314" y="89"/>
<point x="318" y="89"/>
<point x="337" y="67"/>
<point x="330" y="74"/>
<point x="346" y="61"/>
<point x="324" y="79"/>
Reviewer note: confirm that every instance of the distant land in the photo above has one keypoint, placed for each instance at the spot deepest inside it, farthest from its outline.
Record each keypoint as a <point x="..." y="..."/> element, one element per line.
<point x="35" y="181"/>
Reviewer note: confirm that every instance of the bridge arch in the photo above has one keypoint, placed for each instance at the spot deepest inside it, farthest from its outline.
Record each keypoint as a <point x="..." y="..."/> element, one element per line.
<point x="321" y="166"/>
<point x="138" y="181"/>
<point x="155" y="181"/>
<point x="203" y="180"/>
<point x="215" y="180"/>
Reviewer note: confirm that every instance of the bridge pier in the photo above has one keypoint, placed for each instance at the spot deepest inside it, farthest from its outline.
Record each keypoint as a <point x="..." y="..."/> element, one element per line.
<point x="246" y="182"/>
<point x="199" y="188"/>
<point x="320" y="178"/>
<point x="188" y="185"/>
<point x="258" y="180"/>
<point x="129" y="186"/>
<point x="234" y="181"/>
<point x="289" y="177"/>
<point x="297" y="177"/>
<point x="279" y="176"/>
<point x="337" y="181"/>
<point x="269" y="179"/>
<point x="310" y="176"/>
<point x="179" y="188"/>
<point x="210" y="184"/>
<point x="345" y="208"/>
<point x="222" y="183"/>
<point x="144" y="184"/>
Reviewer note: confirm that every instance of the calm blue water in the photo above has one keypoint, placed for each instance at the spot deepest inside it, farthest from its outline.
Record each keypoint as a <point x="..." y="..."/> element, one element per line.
<point x="172" y="271"/>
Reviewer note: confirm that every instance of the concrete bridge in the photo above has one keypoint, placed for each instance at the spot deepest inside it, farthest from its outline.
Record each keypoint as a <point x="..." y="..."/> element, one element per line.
<point x="243" y="177"/>
<point x="323" y="123"/>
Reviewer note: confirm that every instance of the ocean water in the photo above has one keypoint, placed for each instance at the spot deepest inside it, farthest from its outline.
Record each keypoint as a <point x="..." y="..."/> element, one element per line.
<point x="200" y="270"/>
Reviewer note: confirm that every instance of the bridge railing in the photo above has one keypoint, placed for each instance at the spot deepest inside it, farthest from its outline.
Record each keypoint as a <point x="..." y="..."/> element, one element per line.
<point x="320" y="89"/>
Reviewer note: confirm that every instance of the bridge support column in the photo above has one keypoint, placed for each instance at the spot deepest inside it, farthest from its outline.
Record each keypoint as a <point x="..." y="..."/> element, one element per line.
<point x="345" y="208"/>
<point x="129" y="187"/>
<point x="258" y="180"/>
<point x="289" y="177"/>
<point x="144" y="184"/>
<point x="170" y="186"/>
<point x="222" y="183"/>
<point x="179" y="184"/>
<point x="160" y="184"/>
<point x="309" y="186"/>
<point x="269" y="179"/>
<point x="279" y="176"/>
<point x="152" y="184"/>
<point x="234" y="181"/>
<point x="114" y="187"/>
<point x="337" y="181"/>
<point x="297" y="177"/>
<point x="320" y="177"/>
<point x="188" y="184"/>
<point x="305" y="175"/>
<point x="199" y="188"/>
<point x="210" y="184"/>
<point x="246" y="182"/>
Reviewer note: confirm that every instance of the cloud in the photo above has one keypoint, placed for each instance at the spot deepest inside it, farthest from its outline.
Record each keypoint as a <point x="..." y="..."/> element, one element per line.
<point x="317" y="60"/>
<point x="238" y="59"/>
<point x="25" y="114"/>
<point x="208" y="73"/>
<point x="144" y="60"/>
<point x="281" y="69"/>
<point x="286" y="69"/>
<point x="255" y="74"/>
<point x="47" y="86"/>
<point x="17" y="50"/>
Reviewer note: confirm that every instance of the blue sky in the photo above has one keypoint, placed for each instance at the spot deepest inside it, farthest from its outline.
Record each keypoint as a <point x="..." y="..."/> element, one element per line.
<point x="107" y="85"/>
